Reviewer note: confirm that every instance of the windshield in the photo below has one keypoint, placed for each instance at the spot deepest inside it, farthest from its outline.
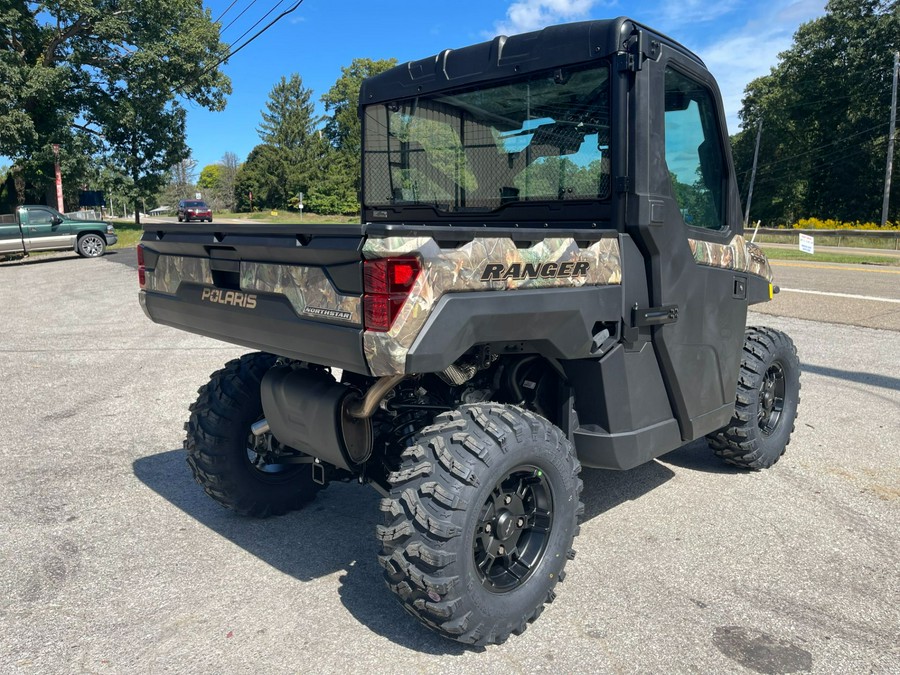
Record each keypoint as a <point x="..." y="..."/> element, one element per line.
<point x="541" y="139"/>
<point x="193" y="205"/>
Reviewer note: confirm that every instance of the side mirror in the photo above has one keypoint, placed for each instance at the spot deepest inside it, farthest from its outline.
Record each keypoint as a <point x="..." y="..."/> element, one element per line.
<point x="56" y="220"/>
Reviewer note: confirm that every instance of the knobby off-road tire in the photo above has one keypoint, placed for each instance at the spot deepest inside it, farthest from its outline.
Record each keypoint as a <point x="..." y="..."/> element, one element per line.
<point x="479" y="474"/>
<point x="219" y="441"/>
<point x="768" y="394"/>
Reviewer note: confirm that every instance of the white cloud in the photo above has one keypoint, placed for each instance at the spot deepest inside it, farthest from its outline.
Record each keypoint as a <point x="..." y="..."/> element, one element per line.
<point x="523" y="16"/>
<point x="752" y="50"/>
<point x="739" y="40"/>
<point x="681" y="12"/>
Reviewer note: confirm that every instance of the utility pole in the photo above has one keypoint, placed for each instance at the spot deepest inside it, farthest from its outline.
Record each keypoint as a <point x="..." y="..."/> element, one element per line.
<point x="59" y="192"/>
<point x="753" y="173"/>
<point x="890" y="152"/>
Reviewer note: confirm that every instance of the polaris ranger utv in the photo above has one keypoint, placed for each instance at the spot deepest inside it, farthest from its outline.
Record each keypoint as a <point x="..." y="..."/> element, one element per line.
<point x="549" y="273"/>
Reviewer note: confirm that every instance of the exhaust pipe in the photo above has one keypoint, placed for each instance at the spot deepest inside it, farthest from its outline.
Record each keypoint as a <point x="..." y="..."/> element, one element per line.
<point x="261" y="427"/>
<point x="310" y="412"/>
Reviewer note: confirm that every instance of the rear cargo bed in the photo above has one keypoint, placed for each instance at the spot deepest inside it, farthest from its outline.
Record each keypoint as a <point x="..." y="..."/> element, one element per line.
<point x="293" y="290"/>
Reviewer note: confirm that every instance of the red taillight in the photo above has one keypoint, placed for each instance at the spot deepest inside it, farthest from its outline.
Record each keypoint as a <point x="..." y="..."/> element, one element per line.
<point x="142" y="278"/>
<point x="387" y="284"/>
<point x="403" y="273"/>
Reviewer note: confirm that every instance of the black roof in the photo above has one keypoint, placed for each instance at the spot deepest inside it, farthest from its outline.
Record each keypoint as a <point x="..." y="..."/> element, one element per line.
<point x="504" y="57"/>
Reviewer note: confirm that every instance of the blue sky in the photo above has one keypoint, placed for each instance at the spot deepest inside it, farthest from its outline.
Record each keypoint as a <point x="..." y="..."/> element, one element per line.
<point x="738" y="39"/>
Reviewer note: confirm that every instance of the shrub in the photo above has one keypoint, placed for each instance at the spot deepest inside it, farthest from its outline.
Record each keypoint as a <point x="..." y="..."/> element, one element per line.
<point x="832" y="224"/>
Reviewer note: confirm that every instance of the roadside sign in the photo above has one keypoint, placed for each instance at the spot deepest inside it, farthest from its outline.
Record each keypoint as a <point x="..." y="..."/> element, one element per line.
<point x="197" y="195"/>
<point x="807" y="243"/>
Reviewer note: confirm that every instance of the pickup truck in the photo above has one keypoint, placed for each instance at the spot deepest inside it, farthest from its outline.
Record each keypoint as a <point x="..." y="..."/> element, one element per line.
<point x="42" y="228"/>
<point x="550" y="272"/>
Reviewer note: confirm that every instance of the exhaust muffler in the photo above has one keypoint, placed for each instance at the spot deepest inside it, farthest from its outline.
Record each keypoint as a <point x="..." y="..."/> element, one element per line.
<point x="310" y="412"/>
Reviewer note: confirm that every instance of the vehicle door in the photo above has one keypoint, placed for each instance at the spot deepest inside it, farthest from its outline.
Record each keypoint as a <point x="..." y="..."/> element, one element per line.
<point x="46" y="229"/>
<point x="10" y="235"/>
<point x="686" y="210"/>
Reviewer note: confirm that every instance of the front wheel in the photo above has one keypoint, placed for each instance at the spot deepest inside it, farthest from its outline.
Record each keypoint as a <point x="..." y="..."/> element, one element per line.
<point x="480" y="522"/>
<point x="90" y="245"/>
<point x="765" y="409"/>
<point x="243" y="472"/>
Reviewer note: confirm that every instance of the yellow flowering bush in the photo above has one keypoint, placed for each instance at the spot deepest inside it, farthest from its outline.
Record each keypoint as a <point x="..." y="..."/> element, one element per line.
<point x="832" y="224"/>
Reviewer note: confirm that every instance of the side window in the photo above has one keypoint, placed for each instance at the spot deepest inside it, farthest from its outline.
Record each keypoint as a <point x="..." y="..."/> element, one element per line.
<point x="39" y="217"/>
<point x="694" y="152"/>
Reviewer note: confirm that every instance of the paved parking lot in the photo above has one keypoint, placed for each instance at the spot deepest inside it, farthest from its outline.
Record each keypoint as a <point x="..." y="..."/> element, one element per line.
<point x="113" y="560"/>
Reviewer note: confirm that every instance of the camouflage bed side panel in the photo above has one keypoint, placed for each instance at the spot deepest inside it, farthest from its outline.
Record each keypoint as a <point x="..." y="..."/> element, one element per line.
<point x="171" y="270"/>
<point x="308" y="289"/>
<point x="453" y="270"/>
<point x="738" y="255"/>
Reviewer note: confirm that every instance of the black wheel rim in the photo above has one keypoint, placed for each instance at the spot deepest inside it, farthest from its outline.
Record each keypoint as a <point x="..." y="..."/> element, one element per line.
<point x="513" y="529"/>
<point x="771" y="399"/>
<point x="260" y="455"/>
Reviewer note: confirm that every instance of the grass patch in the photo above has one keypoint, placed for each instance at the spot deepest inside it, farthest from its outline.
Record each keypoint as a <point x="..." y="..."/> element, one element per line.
<point x="847" y="258"/>
<point x="129" y="234"/>
<point x="288" y="217"/>
<point x="849" y="242"/>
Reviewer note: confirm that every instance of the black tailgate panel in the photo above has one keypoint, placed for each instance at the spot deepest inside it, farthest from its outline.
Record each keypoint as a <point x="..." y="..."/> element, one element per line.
<point x="214" y="254"/>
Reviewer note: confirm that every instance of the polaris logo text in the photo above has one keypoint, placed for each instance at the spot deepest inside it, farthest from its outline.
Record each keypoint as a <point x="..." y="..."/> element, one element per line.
<point x="550" y="270"/>
<point x="233" y="298"/>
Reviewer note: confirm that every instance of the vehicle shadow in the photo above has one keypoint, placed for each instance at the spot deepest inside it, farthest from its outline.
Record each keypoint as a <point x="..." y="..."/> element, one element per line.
<point x="335" y="533"/>
<point x="122" y="256"/>
<point x="698" y="456"/>
<point x="859" y="377"/>
<point x="61" y="258"/>
<point x="604" y="490"/>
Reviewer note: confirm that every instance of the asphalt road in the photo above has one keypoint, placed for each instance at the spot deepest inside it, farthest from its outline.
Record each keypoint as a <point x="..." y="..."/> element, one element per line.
<point x="856" y="295"/>
<point x="112" y="560"/>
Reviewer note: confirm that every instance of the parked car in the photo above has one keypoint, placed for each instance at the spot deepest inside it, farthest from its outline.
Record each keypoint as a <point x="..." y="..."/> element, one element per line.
<point x="43" y="228"/>
<point x="194" y="209"/>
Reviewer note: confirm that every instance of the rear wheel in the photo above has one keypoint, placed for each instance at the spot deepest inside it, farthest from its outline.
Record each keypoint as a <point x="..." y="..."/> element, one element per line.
<point x="480" y="522"/>
<point x="239" y="470"/>
<point x="90" y="245"/>
<point x="766" y="405"/>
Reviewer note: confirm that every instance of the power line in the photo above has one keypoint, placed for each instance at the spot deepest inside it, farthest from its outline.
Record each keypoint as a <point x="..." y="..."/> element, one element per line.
<point x="278" y="18"/>
<point x="822" y="146"/>
<point x="782" y="174"/>
<point x="234" y="51"/>
<point x="227" y="9"/>
<point x="259" y="21"/>
<point x="243" y="11"/>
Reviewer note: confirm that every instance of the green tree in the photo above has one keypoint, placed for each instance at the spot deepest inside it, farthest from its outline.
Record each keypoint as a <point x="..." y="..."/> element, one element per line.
<point x="342" y="101"/>
<point x="106" y="76"/>
<point x="289" y="129"/>
<point x="825" y="108"/>
<point x="264" y="174"/>
<point x="288" y="120"/>
<point x="338" y="188"/>
<point x="210" y="177"/>
<point x="210" y="185"/>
